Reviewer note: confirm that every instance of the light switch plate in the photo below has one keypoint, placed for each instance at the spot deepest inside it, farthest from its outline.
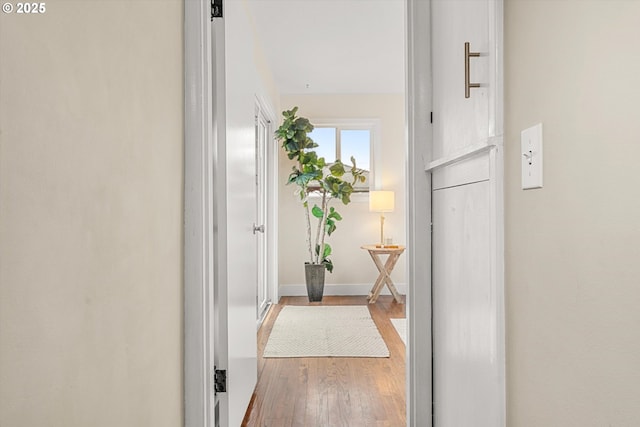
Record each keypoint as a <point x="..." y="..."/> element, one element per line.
<point x="531" y="157"/>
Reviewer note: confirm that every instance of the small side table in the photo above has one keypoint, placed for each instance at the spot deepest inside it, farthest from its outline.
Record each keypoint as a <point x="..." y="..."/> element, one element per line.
<point x="385" y="269"/>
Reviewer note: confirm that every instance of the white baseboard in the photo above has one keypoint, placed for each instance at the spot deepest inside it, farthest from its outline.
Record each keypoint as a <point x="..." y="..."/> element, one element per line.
<point x="338" y="289"/>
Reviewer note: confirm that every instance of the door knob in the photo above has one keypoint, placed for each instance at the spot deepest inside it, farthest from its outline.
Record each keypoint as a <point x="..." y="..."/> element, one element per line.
<point x="257" y="228"/>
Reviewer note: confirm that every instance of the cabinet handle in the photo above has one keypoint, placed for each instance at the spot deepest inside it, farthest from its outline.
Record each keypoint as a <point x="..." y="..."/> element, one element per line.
<point x="467" y="84"/>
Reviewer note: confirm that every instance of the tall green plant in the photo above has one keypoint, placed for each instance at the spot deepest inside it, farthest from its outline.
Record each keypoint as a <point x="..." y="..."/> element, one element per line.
<point x="312" y="174"/>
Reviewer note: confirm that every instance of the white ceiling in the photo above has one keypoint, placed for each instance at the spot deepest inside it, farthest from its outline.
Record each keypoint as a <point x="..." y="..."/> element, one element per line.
<point x="333" y="46"/>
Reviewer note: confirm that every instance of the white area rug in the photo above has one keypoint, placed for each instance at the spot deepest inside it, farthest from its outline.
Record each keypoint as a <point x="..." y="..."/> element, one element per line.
<point x="401" y="328"/>
<point x="325" y="331"/>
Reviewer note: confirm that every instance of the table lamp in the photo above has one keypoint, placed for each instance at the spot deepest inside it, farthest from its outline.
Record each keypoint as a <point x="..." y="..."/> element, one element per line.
<point x="381" y="201"/>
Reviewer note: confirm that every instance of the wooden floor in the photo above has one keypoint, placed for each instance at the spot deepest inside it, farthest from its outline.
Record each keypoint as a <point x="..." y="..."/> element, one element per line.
<point x="332" y="392"/>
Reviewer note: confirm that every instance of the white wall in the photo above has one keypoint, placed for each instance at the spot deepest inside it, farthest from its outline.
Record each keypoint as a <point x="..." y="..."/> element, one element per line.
<point x="91" y="138"/>
<point x="572" y="279"/>
<point x="353" y="266"/>
<point x="266" y="89"/>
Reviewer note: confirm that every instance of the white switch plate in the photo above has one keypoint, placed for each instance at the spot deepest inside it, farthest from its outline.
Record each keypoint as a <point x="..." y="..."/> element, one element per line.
<point x="531" y="157"/>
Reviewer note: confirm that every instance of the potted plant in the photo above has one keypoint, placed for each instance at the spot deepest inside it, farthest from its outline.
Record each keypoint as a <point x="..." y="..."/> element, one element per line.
<point x="313" y="175"/>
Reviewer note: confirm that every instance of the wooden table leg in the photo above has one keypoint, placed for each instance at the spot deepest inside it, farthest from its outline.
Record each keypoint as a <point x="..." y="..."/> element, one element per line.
<point x="377" y="286"/>
<point x="389" y="266"/>
<point x="384" y="277"/>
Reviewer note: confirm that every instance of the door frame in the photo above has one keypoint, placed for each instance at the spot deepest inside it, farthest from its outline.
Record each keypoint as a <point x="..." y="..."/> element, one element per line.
<point x="419" y="220"/>
<point x="198" y="254"/>
<point x="205" y="202"/>
<point x="418" y="217"/>
<point x="199" y="164"/>
<point x="271" y="195"/>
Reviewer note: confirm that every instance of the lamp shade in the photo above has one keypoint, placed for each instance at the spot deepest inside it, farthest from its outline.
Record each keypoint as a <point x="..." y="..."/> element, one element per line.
<point x="381" y="201"/>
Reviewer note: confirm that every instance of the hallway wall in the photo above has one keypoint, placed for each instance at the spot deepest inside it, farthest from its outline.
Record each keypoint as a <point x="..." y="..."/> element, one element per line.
<point x="572" y="294"/>
<point x="91" y="176"/>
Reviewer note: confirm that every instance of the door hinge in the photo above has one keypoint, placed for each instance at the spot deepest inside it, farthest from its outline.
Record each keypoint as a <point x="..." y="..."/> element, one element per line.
<point x="220" y="380"/>
<point x="216" y="9"/>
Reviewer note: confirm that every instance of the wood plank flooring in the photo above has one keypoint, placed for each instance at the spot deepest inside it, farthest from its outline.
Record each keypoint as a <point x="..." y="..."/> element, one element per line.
<point x="332" y="392"/>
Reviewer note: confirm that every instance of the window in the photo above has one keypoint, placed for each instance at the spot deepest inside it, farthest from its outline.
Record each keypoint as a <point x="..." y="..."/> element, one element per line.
<point x="341" y="140"/>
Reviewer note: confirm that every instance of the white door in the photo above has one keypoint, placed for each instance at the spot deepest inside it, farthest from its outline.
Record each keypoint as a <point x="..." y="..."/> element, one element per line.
<point x="235" y="199"/>
<point x="263" y="132"/>
<point x="467" y="286"/>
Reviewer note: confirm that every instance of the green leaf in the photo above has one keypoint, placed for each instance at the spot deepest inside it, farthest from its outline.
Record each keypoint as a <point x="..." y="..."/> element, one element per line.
<point x="309" y="158"/>
<point x="328" y="265"/>
<point x="334" y="214"/>
<point x="337" y="169"/>
<point x="301" y="123"/>
<point x="331" y="226"/>
<point x="327" y="250"/>
<point x="317" y="212"/>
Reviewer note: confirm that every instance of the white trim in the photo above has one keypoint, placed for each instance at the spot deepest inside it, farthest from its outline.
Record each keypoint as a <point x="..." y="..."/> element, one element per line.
<point x="267" y="108"/>
<point x="198" y="248"/>
<point x="418" y="213"/>
<point x="218" y="304"/>
<point x="273" y="215"/>
<point x="497" y="265"/>
<point x="462" y="154"/>
<point x="339" y="289"/>
<point x="497" y="158"/>
<point x="272" y="198"/>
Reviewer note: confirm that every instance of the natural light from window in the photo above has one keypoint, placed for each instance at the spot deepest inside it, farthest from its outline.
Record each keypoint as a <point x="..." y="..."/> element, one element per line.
<point x="342" y="142"/>
<point x="356" y="143"/>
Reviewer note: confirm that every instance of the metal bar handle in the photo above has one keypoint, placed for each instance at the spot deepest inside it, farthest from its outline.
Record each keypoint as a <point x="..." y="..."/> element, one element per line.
<point x="467" y="84"/>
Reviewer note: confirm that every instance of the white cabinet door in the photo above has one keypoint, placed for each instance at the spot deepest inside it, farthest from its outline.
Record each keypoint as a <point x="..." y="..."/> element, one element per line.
<point x="465" y="367"/>
<point x="468" y="324"/>
<point x="459" y="121"/>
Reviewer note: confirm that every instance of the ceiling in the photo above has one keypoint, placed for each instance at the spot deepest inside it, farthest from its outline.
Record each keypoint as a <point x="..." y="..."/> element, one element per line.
<point x="333" y="46"/>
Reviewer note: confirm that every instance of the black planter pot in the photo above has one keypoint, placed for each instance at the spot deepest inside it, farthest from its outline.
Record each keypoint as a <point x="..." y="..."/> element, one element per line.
<point x="314" y="276"/>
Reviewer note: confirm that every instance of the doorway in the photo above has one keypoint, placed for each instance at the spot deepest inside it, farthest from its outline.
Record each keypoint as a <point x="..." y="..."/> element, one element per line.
<point x="372" y="103"/>
<point x="418" y="227"/>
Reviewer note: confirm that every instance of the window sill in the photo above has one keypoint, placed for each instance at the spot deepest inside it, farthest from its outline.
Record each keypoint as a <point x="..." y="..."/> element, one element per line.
<point x="359" y="197"/>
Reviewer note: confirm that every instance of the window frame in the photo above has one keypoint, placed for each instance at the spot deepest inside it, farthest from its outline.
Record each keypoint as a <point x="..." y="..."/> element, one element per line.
<point x="373" y="126"/>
